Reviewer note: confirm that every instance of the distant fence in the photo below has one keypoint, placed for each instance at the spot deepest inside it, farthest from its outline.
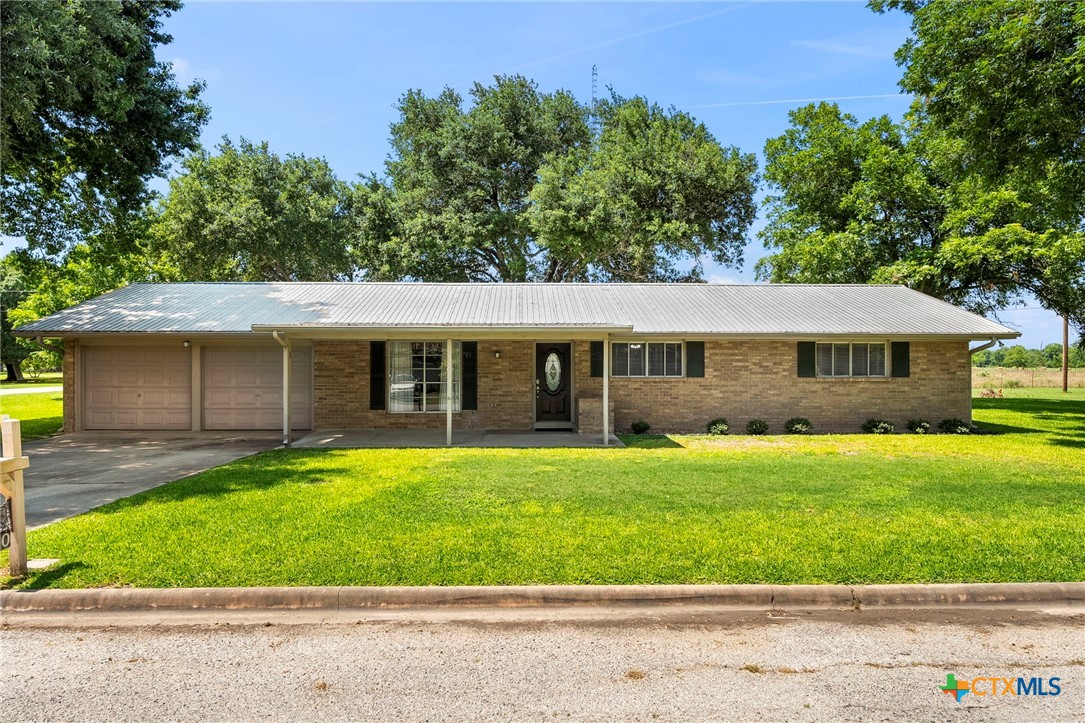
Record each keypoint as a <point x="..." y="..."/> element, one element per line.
<point x="998" y="376"/>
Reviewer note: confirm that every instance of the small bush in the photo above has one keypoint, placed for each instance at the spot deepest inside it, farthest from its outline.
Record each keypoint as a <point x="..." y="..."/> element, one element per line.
<point x="919" y="426"/>
<point x="877" y="426"/>
<point x="718" y="426"/>
<point x="990" y="392"/>
<point x="1012" y="384"/>
<point x="797" y="425"/>
<point x="953" y="426"/>
<point x="39" y="362"/>
<point x="757" y="426"/>
<point x="640" y="426"/>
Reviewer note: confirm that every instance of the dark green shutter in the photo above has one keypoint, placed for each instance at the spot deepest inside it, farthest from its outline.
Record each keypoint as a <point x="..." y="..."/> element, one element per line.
<point x="470" y="374"/>
<point x="694" y="358"/>
<point x="902" y="359"/>
<point x="376" y="375"/>
<point x="808" y="363"/>
<point x="597" y="358"/>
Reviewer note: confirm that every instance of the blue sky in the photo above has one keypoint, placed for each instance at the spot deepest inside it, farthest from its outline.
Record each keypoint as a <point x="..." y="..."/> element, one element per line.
<point x="322" y="78"/>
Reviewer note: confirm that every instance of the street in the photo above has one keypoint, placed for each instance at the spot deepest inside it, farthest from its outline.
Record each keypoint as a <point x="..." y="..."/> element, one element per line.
<point x="663" y="664"/>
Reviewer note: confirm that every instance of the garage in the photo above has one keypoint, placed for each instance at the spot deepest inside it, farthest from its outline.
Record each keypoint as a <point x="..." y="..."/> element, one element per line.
<point x="242" y="388"/>
<point x="137" y="387"/>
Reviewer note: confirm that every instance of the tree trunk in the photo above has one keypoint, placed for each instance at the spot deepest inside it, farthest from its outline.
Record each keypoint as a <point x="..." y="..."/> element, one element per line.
<point x="1065" y="354"/>
<point x="15" y="372"/>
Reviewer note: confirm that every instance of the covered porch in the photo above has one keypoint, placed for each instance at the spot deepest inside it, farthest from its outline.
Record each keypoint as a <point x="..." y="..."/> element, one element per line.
<point x="422" y="438"/>
<point x="520" y="386"/>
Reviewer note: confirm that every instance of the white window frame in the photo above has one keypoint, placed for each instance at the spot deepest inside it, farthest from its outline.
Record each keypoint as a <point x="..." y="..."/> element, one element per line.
<point x="457" y="377"/>
<point x="647" y="375"/>
<point x="851" y="359"/>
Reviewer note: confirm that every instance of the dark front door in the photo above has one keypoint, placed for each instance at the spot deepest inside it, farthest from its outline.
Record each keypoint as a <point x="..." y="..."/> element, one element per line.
<point x="552" y="393"/>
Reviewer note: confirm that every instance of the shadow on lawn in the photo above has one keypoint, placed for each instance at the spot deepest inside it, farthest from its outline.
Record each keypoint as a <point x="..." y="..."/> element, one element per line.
<point x="1065" y="418"/>
<point x="264" y="471"/>
<point x="650" y="441"/>
<point x="43" y="579"/>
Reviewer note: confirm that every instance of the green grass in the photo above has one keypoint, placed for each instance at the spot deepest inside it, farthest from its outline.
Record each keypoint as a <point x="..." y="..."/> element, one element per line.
<point x="775" y="509"/>
<point x="45" y="378"/>
<point x="40" y="414"/>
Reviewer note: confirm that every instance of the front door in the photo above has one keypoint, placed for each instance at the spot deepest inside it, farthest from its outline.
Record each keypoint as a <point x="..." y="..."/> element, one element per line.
<point x="552" y="390"/>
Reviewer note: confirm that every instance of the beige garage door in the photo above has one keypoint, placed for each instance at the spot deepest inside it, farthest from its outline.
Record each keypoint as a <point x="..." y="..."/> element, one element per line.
<point x="137" y="388"/>
<point x="242" y="388"/>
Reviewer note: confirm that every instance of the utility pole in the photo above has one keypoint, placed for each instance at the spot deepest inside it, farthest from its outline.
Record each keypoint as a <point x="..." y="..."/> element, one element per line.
<point x="1065" y="354"/>
<point x="595" y="98"/>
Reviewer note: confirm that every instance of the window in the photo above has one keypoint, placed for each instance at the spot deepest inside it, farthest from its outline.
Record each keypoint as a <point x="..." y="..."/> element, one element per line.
<point x="646" y="359"/>
<point x="851" y="360"/>
<point x="418" y="380"/>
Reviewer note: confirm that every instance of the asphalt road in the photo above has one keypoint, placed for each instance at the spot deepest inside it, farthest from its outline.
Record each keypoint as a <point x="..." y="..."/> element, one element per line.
<point x="672" y="665"/>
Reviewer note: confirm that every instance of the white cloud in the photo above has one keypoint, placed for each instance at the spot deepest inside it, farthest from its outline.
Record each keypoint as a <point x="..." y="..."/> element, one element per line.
<point x="880" y="44"/>
<point x="183" y="71"/>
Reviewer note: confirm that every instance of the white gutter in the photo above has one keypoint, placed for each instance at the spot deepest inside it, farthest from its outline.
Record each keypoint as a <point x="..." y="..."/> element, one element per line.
<point x="40" y="341"/>
<point x="981" y="347"/>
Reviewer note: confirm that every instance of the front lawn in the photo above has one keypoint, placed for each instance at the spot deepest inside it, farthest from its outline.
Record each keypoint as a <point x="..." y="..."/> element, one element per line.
<point x="818" y="509"/>
<point x="40" y="413"/>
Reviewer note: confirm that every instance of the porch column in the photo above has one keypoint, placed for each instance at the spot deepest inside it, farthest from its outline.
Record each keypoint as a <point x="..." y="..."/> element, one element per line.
<point x="448" y="391"/>
<point x="606" y="390"/>
<point x="285" y="343"/>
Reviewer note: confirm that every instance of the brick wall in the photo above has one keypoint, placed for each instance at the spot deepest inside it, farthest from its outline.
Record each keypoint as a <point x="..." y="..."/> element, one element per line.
<point x="70" y="376"/>
<point x="747" y="380"/>
<point x="506" y="386"/>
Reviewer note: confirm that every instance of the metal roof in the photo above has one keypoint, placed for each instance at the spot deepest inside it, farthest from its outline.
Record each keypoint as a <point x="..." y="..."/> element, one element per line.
<point x="694" y="309"/>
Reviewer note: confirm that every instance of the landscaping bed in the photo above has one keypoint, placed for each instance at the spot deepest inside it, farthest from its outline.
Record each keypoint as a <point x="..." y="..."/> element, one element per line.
<point x="1006" y="507"/>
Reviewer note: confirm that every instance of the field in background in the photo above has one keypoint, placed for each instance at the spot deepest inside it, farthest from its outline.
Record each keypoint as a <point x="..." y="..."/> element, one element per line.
<point x="999" y="376"/>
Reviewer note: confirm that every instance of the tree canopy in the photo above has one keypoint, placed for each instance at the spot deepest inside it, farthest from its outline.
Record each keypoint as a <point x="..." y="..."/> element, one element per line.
<point x="87" y="115"/>
<point x="247" y="214"/>
<point x="523" y="186"/>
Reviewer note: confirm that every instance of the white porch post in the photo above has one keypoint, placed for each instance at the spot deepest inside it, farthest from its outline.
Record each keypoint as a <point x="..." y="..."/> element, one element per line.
<point x="285" y="343"/>
<point x="606" y="390"/>
<point x="448" y="391"/>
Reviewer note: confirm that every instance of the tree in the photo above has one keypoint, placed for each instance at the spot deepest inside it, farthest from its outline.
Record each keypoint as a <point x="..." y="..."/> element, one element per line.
<point x="654" y="193"/>
<point x="519" y="187"/>
<point x="888" y="203"/>
<point x="245" y="214"/>
<point x="12" y="290"/>
<point x="1007" y="79"/>
<point x="88" y="115"/>
<point x="1003" y="82"/>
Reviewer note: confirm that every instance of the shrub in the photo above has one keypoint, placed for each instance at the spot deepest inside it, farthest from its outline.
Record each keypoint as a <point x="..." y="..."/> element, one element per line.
<point x="797" y="425"/>
<point x="718" y="426"/>
<point x="877" y="426"/>
<point x="919" y="426"/>
<point x="1012" y="384"/>
<point x="953" y="426"/>
<point x="990" y="392"/>
<point x="757" y="426"/>
<point x="39" y="362"/>
<point x="640" y="426"/>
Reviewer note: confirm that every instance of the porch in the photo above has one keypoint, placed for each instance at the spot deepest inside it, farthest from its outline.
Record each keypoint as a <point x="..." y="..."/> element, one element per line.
<point x="421" y="438"/>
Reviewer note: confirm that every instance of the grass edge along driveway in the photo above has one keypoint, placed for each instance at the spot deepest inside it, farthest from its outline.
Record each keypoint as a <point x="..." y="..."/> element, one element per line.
<point x="41" y="414"/>
<point x="850" y="509"/>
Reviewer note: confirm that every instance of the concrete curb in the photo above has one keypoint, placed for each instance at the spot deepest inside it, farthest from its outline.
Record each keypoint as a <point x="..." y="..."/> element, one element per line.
<point x="754" y="597"/>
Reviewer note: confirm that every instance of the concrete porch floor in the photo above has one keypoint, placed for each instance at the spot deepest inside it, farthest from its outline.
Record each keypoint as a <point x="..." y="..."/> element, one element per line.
<point x="393" y="438"/>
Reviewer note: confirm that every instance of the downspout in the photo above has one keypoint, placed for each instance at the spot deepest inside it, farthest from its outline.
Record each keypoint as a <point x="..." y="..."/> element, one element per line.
<point x="40" y="341"/>
<point x="972" y="352"/>
<point x="285" y="344"/>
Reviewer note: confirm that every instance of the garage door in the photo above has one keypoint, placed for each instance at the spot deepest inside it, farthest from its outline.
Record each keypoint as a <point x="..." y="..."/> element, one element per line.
<point x="137" y="388"/>
<point x="242" y="388"/>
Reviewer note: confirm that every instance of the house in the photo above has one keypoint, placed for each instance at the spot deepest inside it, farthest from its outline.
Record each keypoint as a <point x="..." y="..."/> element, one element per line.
<point x="220" y="356"/>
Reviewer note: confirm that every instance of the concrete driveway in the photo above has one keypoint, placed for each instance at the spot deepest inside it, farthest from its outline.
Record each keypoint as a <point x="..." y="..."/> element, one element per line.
<point x="73" y="473"/>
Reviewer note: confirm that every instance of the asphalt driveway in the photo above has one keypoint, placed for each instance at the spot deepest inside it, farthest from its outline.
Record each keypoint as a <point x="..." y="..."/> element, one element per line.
<point x="73" y="473"/>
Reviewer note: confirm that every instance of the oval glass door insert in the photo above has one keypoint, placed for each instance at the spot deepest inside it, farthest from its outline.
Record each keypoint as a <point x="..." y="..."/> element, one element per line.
<point x="552" y="370"/>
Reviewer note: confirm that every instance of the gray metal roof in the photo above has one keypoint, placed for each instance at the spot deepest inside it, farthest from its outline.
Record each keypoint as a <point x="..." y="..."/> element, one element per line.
<point x="695" y="309"/>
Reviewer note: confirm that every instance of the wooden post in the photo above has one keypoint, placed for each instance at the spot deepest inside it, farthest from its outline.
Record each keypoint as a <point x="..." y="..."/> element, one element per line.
<point x="448" y="392"/>
<point x="1065" y="354"/>
<point x="606" y="390"/>
<point x="12" y="464"/>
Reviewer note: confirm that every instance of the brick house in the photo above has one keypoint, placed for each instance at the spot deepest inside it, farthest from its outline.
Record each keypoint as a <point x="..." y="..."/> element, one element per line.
<point x="215" y="356"/>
